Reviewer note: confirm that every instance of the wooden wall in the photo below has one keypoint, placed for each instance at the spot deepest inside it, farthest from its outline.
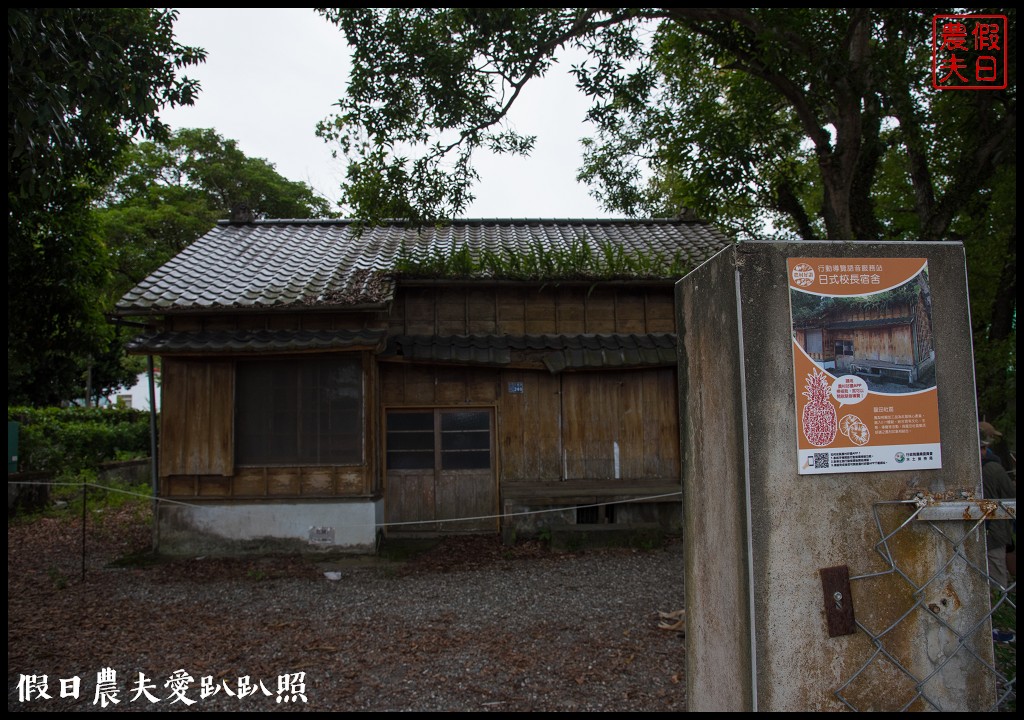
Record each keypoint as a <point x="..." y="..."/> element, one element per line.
<point x="637" y="411"/>
<point x="893" y="343"/>
<point x="511" y="309"/>
<point x="197" y="449"/>
<point x="560" y="426"/>
<point x="197" y="426"/>
<point x="276" y="321"/>
<point x="529" y="426"/>
<point x="923" y="328"/>
<point x="270" y="482"/>
<point x="827" y="352"/>
<point x="889" y="344"/>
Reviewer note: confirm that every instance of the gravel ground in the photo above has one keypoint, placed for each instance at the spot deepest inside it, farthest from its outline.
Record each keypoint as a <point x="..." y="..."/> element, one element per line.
<point x="467" y="625"/>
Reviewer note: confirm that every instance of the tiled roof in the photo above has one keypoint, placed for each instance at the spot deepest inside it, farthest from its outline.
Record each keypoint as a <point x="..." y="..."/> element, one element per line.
<point x="556" y="352"/>
<point x="246" y="341"/>
<point x="820" y="321"/>
<point x="329" y="263"/>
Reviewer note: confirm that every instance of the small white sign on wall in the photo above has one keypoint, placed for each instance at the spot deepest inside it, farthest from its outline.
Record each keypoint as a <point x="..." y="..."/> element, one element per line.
<point x="321" y="535"/>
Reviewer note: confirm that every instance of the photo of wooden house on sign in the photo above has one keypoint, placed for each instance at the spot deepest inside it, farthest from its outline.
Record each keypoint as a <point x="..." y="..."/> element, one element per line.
<point x="882" y="334"/>
<point x="321" y="376"/>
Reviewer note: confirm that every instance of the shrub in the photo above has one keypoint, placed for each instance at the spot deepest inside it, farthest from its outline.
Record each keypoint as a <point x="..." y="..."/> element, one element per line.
<point x="66" y="441"/>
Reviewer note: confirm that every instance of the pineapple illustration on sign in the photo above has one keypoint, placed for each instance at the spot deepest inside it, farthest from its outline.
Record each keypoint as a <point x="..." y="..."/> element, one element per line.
<point x="819" y="420"/>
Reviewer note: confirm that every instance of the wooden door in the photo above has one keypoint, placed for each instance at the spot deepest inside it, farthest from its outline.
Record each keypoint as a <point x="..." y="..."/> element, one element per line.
<point x="440" y="467"/>
<point x="844" y="353"/>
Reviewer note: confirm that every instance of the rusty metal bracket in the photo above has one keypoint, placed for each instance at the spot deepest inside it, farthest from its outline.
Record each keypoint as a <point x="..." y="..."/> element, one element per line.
<point x="835" y="583"/>
<point x="968" y="509"/>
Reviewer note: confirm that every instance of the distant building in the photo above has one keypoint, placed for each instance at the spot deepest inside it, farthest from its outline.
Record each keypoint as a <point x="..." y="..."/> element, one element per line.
<point x="136" y="396"/>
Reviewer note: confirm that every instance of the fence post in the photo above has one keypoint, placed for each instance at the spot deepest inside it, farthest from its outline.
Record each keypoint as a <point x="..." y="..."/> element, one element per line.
<point x="766" y="520"/>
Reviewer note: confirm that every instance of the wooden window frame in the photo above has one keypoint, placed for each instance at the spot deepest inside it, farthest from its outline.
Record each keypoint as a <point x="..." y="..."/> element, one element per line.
<point x="441" y="450"/>
<point x="299" y="396"/>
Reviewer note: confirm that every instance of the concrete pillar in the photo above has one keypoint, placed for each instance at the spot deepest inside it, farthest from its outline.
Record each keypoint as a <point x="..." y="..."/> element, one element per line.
<point x="759" y="533"/>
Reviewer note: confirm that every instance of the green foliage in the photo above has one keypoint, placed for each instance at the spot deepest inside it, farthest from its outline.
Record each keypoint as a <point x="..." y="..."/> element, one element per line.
<point x="68" y="441"/>
<point x="55" y="272"/>
<point x="81" y="84"/>
<point x="737" y="156"/>
<point x="256" y="575"/>
<point x="59" y="580"/>
<point x="578" y="261"/>
<point x="210" y="168"/>
<point x="107" y="502"/>
<point x="167" y="193"/>
<point x="989" y="230"/>
<point x="429" y="86"/>
<point x="771" y="122"/>
<point x="805" y="306"/>
<point x="735" y="111"/>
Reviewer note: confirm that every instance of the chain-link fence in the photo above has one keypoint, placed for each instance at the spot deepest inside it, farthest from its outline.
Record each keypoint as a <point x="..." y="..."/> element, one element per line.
<point x="929" y="637"/>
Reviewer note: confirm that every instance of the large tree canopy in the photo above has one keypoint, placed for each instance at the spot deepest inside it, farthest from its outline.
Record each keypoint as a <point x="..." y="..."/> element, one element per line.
<point x="81" y="84"/>
<point x="805" y="122"/>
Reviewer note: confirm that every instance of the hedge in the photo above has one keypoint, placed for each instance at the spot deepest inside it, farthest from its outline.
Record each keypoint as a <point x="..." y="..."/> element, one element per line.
<point x="69" y="440"/>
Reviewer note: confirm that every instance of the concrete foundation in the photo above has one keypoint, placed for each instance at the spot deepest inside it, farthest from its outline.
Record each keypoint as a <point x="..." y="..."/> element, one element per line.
<point x="221" y="528"/>
<point x="758" y="534"/>
<point x="526" y="519"/>
<point x="570" y="538"/>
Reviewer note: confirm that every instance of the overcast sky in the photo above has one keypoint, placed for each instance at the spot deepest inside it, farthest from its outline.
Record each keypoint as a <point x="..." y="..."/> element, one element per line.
<point x="272" y="74"/>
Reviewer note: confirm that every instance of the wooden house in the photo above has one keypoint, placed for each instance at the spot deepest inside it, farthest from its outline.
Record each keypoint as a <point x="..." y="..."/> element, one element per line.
<point x="885" y="338"/>
<point x="321" y="384"/>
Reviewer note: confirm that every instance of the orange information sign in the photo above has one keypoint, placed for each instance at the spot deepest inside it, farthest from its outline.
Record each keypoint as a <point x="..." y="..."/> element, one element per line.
<point x="863" y="365"/>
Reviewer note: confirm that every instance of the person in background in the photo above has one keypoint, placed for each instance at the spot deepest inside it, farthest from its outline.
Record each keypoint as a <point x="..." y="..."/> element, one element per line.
<point x="997" y="486"/>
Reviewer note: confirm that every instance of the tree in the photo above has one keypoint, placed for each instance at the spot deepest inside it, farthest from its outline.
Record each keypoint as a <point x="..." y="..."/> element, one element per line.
<point x="81" y="84"/>
<point x="167" y="193"/>
<point x="808" y="122"/>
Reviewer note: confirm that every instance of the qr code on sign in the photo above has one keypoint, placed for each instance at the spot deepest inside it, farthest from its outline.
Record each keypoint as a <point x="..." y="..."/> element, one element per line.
<point x="820" y="461"/>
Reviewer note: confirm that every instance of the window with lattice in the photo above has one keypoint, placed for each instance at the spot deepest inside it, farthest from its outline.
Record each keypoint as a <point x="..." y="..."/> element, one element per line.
<point x="299" y="412"/>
